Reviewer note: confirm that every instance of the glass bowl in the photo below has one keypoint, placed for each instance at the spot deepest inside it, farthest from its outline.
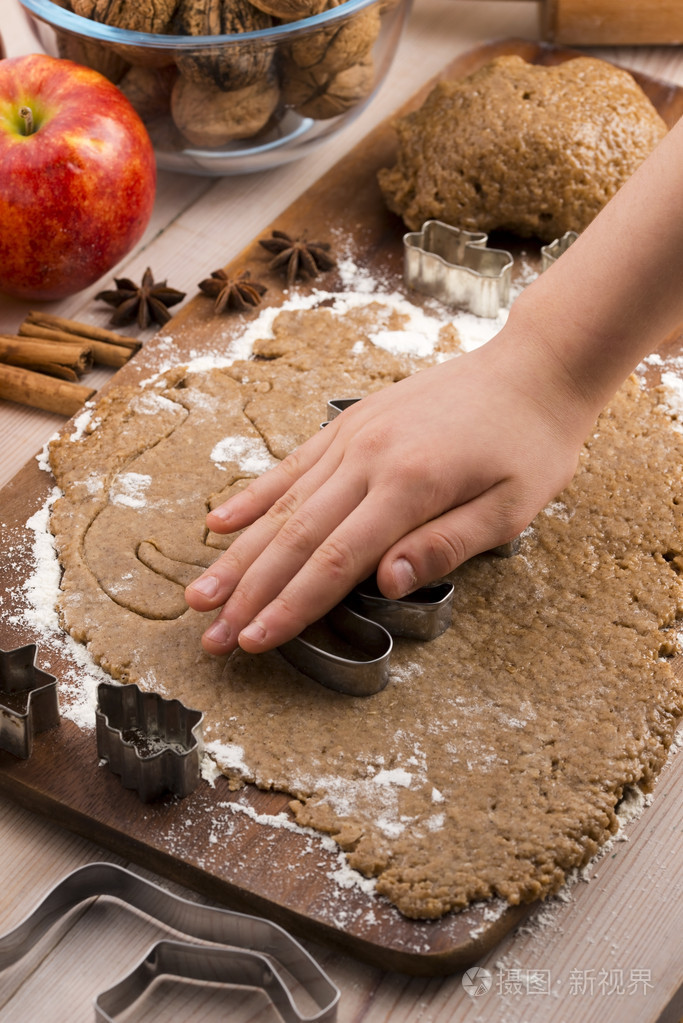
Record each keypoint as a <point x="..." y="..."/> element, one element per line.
<point x="238" y="102"/>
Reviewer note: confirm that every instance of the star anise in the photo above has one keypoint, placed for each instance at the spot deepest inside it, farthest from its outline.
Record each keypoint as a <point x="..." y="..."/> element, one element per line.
<point x="238" y="292"/>
<point x="297" y="256"/>
<point x="145" y="302"/>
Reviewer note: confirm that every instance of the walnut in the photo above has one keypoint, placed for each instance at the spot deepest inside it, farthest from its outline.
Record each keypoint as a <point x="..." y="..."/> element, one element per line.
<point x="141" y="16"/>
<point x="218" y="17"/>
<point x="316" y="94"/>
<point x="290" y="10"/>
<point x="92" y="53"/>
<point x="149" y="90"/>
<point x="209" y="117"/>
<point x="341" y="45"/>
<point x="229" y="66"/>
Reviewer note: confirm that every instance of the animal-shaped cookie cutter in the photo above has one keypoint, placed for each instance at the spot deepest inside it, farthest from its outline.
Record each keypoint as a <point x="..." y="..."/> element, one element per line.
<point x="552" y="252"/>
<point x="152" y="743"/>
<point x="457" y="268"/>
<point x="28" y="700"/>
<point x="349" y="649"/>
<point x="244" y="950"/>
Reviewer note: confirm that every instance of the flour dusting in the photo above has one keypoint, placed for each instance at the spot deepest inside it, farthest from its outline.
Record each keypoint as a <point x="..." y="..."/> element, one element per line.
<point x="129" y="489"/>
<point x="250" y="453"/>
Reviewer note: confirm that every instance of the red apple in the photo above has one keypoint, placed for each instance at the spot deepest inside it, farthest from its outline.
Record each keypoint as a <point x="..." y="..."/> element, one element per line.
<point x="77" y="176"/>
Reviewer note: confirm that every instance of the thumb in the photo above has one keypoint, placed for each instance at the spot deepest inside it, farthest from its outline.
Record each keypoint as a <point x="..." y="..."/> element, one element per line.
<point x="436" y="548"/>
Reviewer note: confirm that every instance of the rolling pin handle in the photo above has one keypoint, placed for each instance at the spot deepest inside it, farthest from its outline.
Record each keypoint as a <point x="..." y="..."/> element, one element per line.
<point x="611" y="22"/>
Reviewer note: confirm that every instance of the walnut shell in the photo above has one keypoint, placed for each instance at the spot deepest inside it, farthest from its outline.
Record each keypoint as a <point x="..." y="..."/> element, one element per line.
<point x="141" y="56"/>
<point x="290" y="10"/>
<point x="209" y="117"/>
<point x="218" y="17"/>
<point x="140" y="16"/>
<point x="94" y="54"/>
<point x="315" y="94"/>
<point x="149" y="90"/>
<point x="153" y="16"/>
<point x="341" y="45"/>
<point x="230" y="65"/>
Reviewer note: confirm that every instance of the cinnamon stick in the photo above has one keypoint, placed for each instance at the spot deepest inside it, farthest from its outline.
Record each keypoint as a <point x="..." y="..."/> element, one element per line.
<point x="40" y="391"/>
<point x="32" y="353"/>
<point x="54" y="369"/>
<point x="105" y="353"/>
<point x="85" y="330"/>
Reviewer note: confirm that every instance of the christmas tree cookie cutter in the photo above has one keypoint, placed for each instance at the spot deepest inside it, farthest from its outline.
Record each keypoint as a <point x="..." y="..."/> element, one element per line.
<point x="153" y="744"/>
<point x="457" y="268"/>
<point x="244" y="950"/>
<point x="28" y="700"/>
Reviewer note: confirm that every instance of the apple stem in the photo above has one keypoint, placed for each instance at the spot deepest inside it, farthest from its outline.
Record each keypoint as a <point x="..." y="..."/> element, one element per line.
<point x="27" y="116"/>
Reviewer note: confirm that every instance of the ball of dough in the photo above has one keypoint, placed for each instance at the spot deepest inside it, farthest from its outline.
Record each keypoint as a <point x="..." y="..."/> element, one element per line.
<point x="515" y="146"/>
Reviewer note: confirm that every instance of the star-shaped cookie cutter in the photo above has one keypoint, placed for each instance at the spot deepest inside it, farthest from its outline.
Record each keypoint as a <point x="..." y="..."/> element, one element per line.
<point x="457" y="268"/>
<point x="152" y="743"/>
<point x="28" y="700"/>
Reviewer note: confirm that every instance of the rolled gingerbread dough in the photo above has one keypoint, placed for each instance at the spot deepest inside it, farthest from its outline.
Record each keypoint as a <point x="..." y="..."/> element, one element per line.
<point x="494" y="759"/>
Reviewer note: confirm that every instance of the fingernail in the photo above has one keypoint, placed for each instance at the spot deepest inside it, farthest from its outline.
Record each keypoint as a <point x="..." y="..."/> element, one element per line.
<point x="254" y="632"/>
<point x="404" y="576"/>
<point x="220" y="513"/>
<point x="206" y="585"/>
<point x="218" y="632"/>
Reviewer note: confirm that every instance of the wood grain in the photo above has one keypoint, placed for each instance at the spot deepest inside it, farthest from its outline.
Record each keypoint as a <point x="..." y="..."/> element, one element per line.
<point x="612" y="22"/>
<point x="63" y="781"/>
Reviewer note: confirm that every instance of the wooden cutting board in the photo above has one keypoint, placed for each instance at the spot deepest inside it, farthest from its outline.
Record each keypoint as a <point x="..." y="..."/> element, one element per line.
<point x="231" y="846"/>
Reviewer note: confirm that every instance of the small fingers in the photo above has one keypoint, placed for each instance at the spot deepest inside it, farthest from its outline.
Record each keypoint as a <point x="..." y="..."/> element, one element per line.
<point x="344" y="556"/>
<point x="256" y="578"/>
<point x="214" y="586"/>
<point x="254" y="501"/>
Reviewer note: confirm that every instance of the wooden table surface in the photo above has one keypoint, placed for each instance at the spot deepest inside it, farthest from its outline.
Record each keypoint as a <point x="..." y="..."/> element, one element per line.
<point x="612" y="948"/>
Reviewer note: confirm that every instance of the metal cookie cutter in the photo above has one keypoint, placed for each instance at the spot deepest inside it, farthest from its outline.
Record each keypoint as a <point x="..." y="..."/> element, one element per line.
<point x="456" y="267"/>
<point x="336" y="406"/>
<point x="28" y="700"/>
<point x="245" y="950"/>
<point x="552" y="252"/>
<point x="154" y="744"/>
<point x="349" y="648"/>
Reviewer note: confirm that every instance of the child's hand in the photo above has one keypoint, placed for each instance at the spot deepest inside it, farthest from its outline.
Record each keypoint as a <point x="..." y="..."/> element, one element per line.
<point x="411" y="481"/>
